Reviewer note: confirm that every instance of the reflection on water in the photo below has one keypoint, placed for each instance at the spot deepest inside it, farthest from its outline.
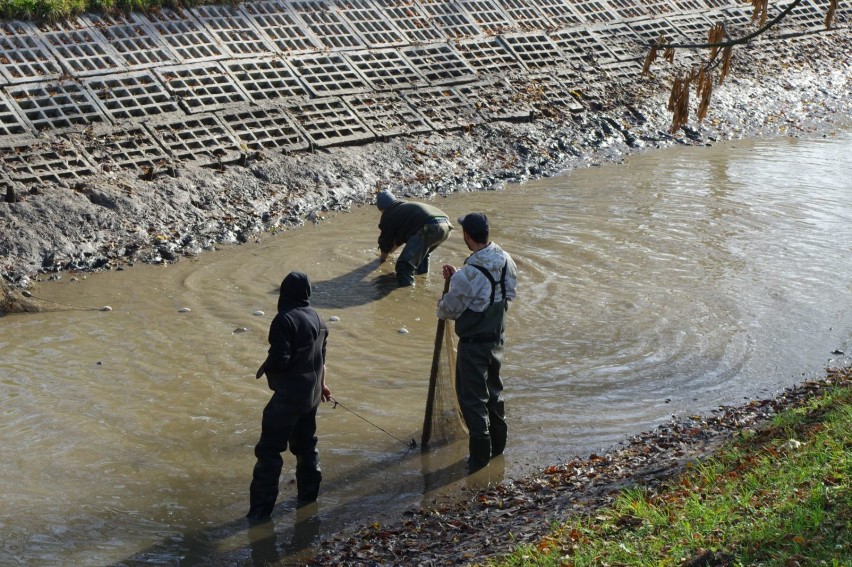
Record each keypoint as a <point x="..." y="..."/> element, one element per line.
<point x="672" y="283"/>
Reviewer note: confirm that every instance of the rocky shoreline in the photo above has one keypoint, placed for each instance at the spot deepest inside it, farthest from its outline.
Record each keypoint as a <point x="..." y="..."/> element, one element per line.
<point x="795" y="89"/>
<point x="487" y="523"/>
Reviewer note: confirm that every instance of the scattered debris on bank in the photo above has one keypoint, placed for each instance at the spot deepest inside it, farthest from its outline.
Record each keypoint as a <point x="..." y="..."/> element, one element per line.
<point x="491" y="522"/>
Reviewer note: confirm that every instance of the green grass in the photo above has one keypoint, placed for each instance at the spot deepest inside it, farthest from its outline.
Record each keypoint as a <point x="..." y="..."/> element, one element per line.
<point x="762" y="501"/>
<point x="56" y="10"/>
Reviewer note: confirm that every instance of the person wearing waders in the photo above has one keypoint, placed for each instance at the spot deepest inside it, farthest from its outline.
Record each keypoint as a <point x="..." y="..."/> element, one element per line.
<point x="418" y="226"/>
<point x="295" y="372"/>
<point x="477" y="300"/>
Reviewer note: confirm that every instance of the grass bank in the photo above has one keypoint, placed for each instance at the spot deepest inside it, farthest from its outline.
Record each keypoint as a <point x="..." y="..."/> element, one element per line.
<point x="56" y="10"/>
<point x="776" y="496"/>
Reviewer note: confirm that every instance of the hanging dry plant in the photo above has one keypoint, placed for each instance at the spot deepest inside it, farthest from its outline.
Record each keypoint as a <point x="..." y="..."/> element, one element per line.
<point x="679" y="102"/>
<point x="652" y="53"/>
<point x="699" y="79"/>
<point x="706" y="89"/>
<point x="761" y="11"/>
<point x="727" y="54"/>
<point x="829" y="17"/>
<point x="716" y="35"/>
<point x="718" y="43"/>
<point x="649" y="58"/>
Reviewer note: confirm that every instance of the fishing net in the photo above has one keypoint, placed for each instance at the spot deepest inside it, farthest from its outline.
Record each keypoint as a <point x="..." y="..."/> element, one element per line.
<point x="443" y="422"/>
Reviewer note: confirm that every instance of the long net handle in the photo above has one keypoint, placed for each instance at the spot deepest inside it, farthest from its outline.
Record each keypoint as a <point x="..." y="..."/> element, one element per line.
<point x="433" y="378"/>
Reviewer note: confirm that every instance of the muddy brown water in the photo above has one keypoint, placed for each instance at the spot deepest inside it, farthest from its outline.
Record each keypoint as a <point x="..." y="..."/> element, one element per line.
<point x="669" y="284"/>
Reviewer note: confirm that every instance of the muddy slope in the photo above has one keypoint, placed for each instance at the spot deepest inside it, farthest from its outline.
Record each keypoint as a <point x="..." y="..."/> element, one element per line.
<point x="797" y="88"/>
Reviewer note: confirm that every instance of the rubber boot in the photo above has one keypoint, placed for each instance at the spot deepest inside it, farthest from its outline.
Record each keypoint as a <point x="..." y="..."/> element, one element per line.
<point x="423" y="268"/>
<point x="308" y="478"/>
<point x="480" y="453"/>
<point x="404" y="273"/>
<point x="498" y="439"/>
<point x="263" y="491"/>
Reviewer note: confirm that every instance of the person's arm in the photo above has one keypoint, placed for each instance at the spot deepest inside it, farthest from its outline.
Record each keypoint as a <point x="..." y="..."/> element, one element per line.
<point x="326" y="393"/>
<point x="458" y="296"/>
<point x="280" y="345"/>
<point x="384" y="255"/>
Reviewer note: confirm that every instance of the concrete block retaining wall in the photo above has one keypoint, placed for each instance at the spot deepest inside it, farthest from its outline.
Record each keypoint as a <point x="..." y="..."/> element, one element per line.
<point x="149" y="94"/>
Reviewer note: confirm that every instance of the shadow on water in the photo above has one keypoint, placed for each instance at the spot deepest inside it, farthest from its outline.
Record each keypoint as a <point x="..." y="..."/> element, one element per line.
<point x="353" y="288"/>
<point x="282" y="540"/>
<point x="263" y="539"/>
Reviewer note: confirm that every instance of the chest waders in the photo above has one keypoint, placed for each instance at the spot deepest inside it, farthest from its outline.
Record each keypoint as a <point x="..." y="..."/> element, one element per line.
<point x="478" y="382"/>
<point x="485" y="326"/>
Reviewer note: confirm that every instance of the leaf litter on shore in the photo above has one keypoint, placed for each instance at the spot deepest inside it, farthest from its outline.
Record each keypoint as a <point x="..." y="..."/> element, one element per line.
<point x="491" y="521"/>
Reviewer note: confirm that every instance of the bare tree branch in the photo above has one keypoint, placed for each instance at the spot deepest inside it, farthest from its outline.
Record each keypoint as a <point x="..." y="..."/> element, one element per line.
<point x="656" y="44"/>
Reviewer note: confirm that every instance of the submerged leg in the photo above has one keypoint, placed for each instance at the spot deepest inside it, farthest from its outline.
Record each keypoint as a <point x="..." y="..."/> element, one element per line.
<point x="275" y="430"/>
<point x="303" y="444"/>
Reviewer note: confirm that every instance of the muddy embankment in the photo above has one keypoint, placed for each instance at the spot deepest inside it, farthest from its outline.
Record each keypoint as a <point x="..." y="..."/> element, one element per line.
<point x="487" y="523"/>
<point x="793" y="87"/>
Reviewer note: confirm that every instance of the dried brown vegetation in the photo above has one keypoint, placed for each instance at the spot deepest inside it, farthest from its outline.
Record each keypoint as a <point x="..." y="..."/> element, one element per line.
<point x="715" y="68"/>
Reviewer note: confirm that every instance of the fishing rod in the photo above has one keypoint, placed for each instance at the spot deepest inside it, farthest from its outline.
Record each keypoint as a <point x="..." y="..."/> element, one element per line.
<point x="410" y="444"/>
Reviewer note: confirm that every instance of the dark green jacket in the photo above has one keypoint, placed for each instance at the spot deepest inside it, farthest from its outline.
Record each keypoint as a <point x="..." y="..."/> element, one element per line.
<point x="401" y="220"/>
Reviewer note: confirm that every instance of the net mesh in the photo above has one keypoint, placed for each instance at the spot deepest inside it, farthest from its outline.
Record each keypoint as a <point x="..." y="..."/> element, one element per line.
<point x="443" y="422"/>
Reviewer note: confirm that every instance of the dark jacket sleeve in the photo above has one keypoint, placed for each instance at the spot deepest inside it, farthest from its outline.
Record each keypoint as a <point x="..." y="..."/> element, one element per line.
<point x="386" y="237"/>
<point x="281" y="335"/>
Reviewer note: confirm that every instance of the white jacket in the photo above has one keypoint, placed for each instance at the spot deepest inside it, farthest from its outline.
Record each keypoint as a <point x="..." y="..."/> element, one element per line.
<point x="470" y="289"/>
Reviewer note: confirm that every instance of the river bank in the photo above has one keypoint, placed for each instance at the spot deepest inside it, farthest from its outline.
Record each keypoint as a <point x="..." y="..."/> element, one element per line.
<point x="485" y="524"/>
<point x="124" y="220"/>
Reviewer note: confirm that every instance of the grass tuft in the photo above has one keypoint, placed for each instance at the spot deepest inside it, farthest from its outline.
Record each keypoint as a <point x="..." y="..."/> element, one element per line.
<point x="58" y="10"/>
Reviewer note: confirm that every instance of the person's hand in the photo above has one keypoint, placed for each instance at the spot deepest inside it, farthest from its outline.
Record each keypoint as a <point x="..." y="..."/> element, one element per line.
<point x="448" y="271"/>
<point x="326" y="393"/>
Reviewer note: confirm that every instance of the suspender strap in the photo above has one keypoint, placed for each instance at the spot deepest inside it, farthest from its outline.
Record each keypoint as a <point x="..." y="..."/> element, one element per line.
<point x="491" y="279"/>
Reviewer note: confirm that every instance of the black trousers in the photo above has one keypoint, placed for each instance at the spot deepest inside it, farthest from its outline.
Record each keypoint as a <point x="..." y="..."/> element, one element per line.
<point x="285" y="425"/>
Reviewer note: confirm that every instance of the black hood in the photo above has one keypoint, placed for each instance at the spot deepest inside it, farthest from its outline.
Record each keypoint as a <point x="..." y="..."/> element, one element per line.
<point x="295" y="291"/>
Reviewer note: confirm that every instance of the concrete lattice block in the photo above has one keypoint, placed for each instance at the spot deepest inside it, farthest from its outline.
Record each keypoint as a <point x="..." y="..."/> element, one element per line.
<point x="234" y="30"/>
<point x="489" y="16"/>
<point x="327" y="25"/>
<point x="329" y="122"/>
<point x="184" y="36"/>
<point x="133" y="96"/>
<point x="489" y="56"/>
<point x="55" y="105"/>
<point x="412" y="21"/>
<point x="282" y="26"/>
<point x="265" y="128"/>
<point x="440" y="63"/>
<point x="386" y="69"/>
<point x="387" y="114"/>
<point x="266" y="79"/>
<point x="134" y="42"/>
<point x="201" y="140"/>
<point x="444" y="108"/>
<point x="33" y="161"/>
<point x="371" y="24"/>
<point x="11" y="123"/>
<point x="328" y="74"/>
<point x="201" y="87"/>
<point x="526" y="15"/>
<point x="450" y="18"/>
<point x="23" y="56"/>
<point x="80" y="49"/>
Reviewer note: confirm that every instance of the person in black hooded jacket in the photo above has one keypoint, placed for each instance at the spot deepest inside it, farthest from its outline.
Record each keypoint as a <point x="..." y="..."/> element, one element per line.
<point x="295" y="372"/>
